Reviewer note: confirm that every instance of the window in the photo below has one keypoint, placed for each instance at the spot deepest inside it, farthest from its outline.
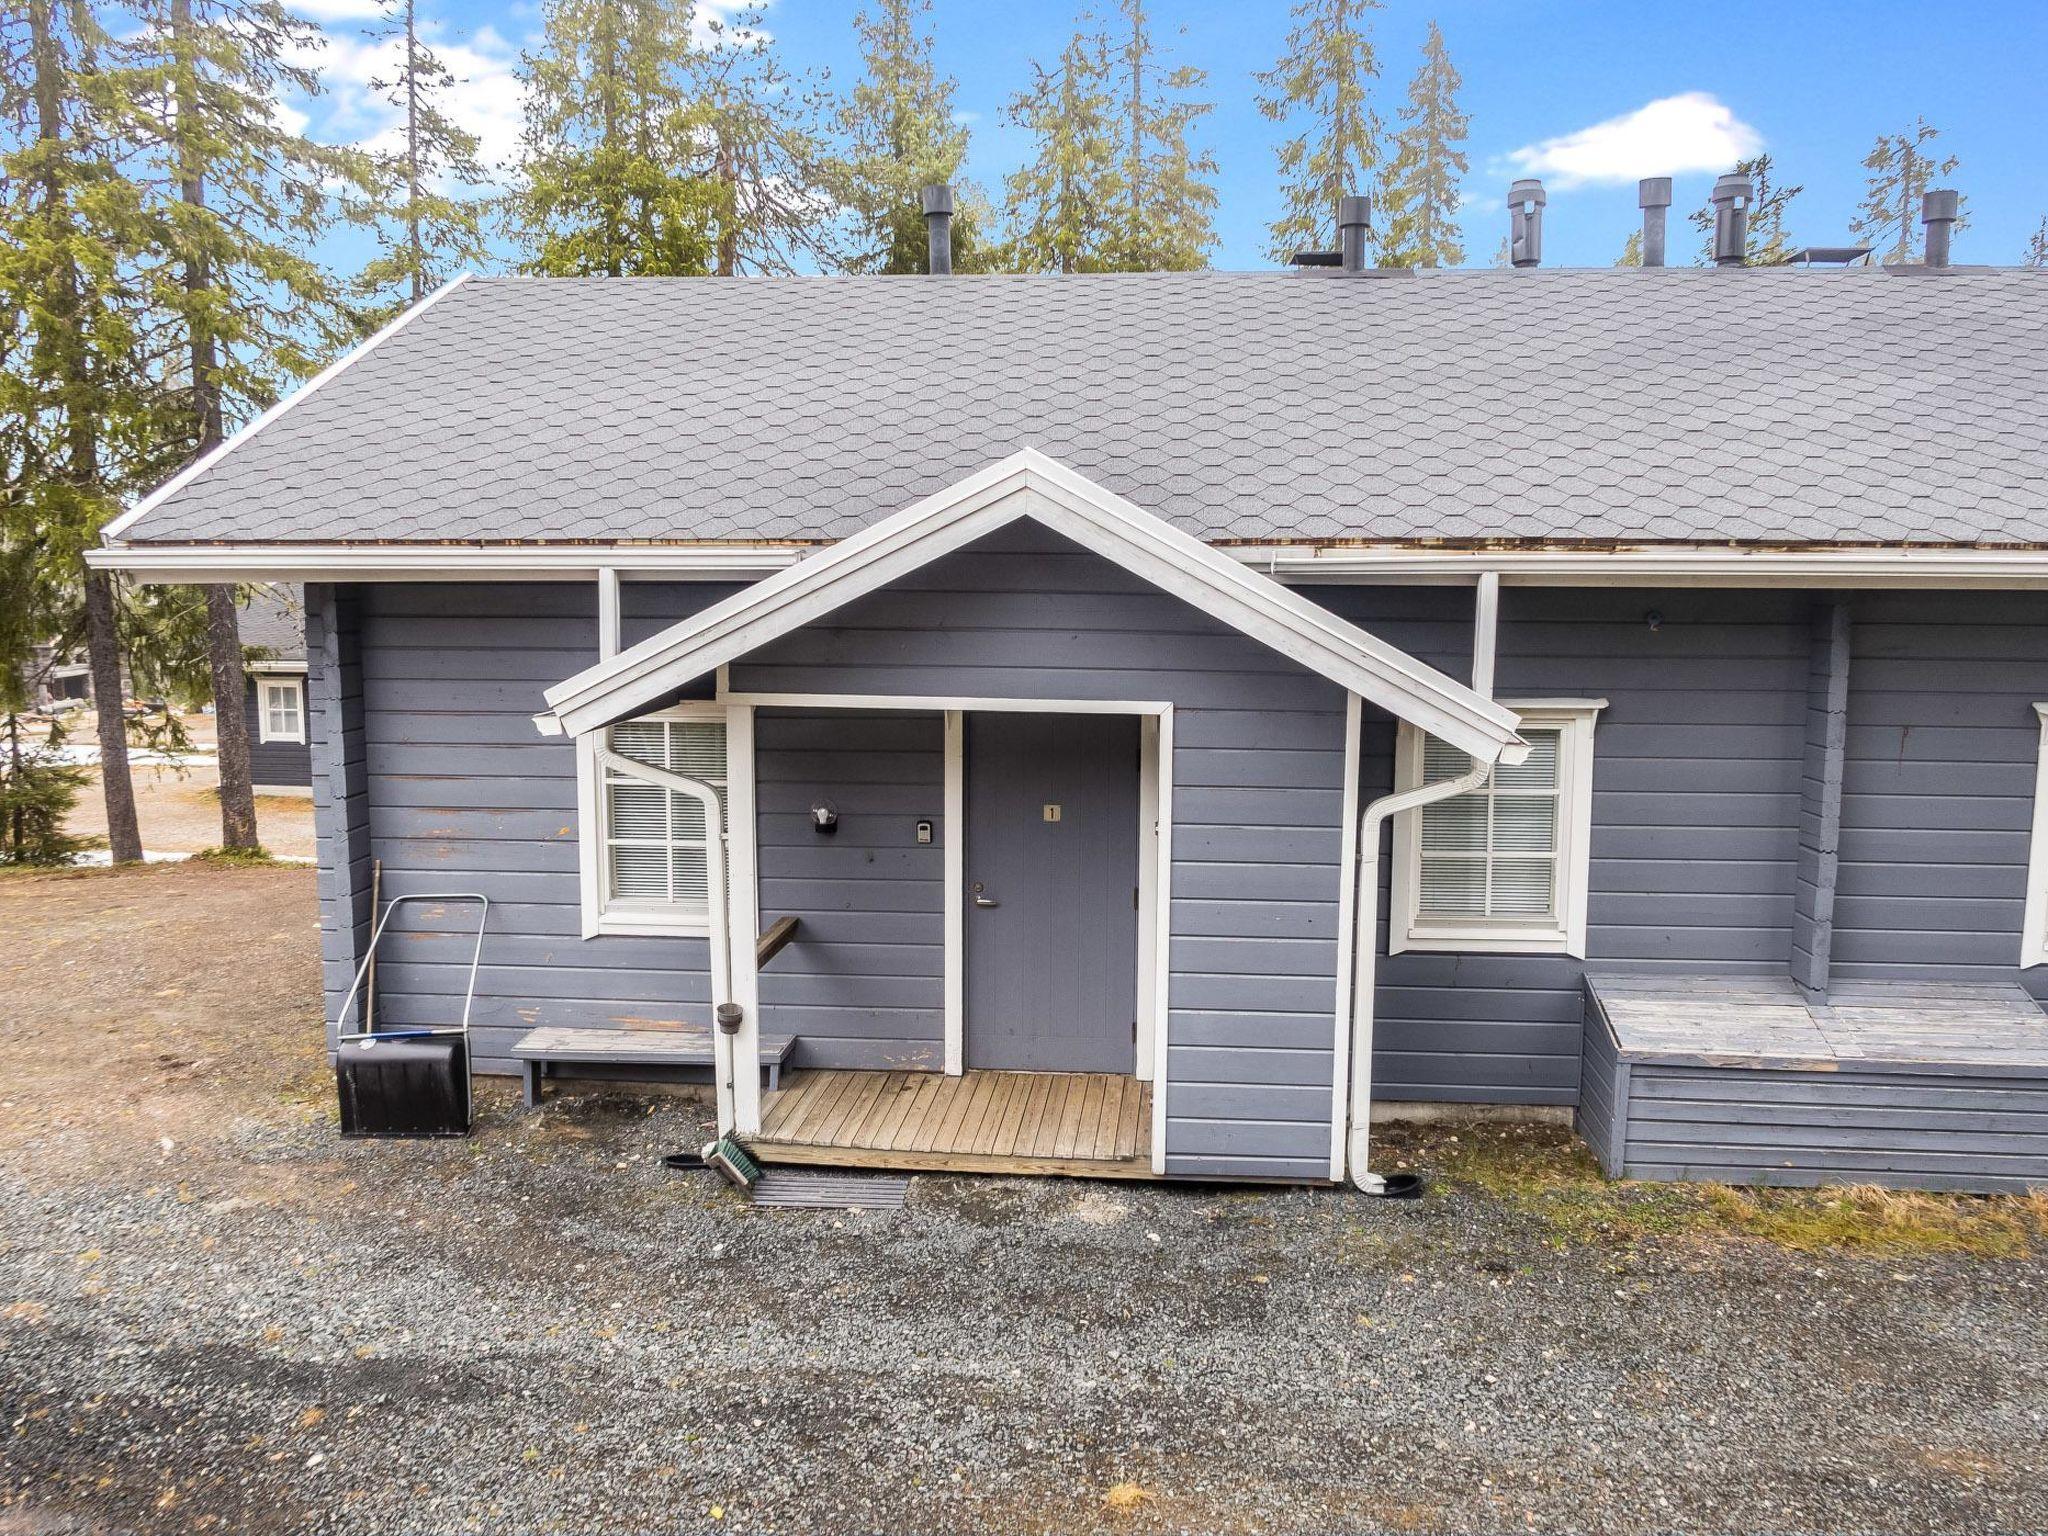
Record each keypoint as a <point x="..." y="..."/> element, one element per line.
<point x="1502" y="868"/>
<point x="649" y="872"/>
<point x="2034" y="926"/>
<point x="282" y="712"/>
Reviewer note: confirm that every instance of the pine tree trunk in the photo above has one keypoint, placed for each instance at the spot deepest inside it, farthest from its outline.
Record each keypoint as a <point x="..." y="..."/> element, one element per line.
<point x="103" y="652"/>
<point x="231" y="723"/>
<point x="209" y="420"/>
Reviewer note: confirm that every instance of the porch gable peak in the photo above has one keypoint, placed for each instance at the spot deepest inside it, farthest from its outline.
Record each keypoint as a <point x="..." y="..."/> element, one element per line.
<point x="1030" y="484"/>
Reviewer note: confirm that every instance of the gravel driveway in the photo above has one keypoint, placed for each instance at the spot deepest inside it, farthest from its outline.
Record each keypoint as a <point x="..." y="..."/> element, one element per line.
<point x="215" y="1315"/>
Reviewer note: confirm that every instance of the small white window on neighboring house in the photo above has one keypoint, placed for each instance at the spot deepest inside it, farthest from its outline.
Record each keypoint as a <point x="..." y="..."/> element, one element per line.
<point x="1502" y="868"/>
<point x="2034" y="927"/>
<point x="281" y="709"/>
<point x="647" y="868"/>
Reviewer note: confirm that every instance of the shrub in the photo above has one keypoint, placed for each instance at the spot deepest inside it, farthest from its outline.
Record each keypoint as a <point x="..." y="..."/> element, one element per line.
<point x="37" y="790"/>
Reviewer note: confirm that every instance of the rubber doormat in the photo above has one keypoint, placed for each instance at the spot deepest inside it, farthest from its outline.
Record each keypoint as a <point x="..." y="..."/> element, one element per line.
<point x="806" y="1189"/>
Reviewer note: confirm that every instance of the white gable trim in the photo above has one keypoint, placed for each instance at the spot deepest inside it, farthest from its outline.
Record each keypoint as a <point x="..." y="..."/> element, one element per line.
<point x="201" y="465"/>
<point x="1029" y="484"/>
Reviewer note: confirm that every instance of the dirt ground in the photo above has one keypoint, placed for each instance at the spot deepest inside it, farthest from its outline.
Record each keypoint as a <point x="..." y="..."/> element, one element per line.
<point x="178" y="805"/>
<point x="215" y="1315"/>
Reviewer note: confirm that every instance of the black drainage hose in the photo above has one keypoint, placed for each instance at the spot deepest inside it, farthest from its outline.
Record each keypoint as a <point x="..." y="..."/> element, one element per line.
<point x="1400" y="1186"/>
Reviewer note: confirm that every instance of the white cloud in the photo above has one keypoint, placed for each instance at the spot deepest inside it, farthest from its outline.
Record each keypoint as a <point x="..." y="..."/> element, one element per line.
<point x="485" y="98"/>
<point x="1688" y="132"/>
<point x="722" y="23"/>
<point x="338" y="10"/>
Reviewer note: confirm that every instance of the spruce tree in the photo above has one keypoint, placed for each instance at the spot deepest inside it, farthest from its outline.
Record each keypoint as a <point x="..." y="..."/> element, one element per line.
<point x="901" y="138"/>
<point x="608" y="183"/>
<point x="239" y="199"/>
<point x="2037" y="247"/>
<point x="773" y="209"/>
<point x="1168" y="186"/>
<point x="1064" y="205"/>
<point x="80" y="413"/>
<point x="1419" y="193"/>
<point x="1900" y="166"/>
<point x="1322" y="87"/>
<point x="429" y="226"/>
<point x="1768" y="242"/>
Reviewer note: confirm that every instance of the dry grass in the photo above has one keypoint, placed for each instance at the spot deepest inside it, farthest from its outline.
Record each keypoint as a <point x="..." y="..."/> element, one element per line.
<point x="1126" y="1499"/>
<point x="1547" y="1173"/>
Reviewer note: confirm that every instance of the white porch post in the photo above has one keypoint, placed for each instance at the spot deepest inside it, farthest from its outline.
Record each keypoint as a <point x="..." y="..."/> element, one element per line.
<point x="743" y="909"/>
<point x="1148" y="895"/>
<point x="954" y="872"/>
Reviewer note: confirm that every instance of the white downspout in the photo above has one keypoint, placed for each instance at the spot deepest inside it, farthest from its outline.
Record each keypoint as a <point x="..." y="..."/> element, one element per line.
<point x="1358" y="1142"/>
<point x="723" y="1067"/>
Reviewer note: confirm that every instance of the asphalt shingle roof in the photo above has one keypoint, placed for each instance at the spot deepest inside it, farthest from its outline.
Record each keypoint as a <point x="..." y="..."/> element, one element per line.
<point x="1755" y="406"/>
<point x="273" y="616"/>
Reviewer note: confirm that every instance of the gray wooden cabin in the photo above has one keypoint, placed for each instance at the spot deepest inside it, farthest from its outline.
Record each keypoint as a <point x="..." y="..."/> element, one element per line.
<point x="1160" y="722"/>
<point x="273" y="630"/>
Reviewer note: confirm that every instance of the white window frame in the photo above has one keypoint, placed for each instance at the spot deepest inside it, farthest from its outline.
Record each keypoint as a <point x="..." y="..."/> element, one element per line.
<point x="1410" y="930"/>
<point x="266" y="682"/>
<point x="600" y="916"/>
<point x="2034" y="928"/>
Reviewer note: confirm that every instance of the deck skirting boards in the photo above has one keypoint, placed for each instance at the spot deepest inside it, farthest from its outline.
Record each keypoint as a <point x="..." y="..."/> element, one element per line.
<point x="1763" y="1100"/>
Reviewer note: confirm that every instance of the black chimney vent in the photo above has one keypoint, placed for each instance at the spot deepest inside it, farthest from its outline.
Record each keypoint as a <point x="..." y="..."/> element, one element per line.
<point x="938" y="225"/>
<point x="1525" y="223"/>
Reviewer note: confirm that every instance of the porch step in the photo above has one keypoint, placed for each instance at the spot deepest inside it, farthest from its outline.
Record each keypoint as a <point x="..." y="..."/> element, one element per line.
<point x="1086" y="1124"/>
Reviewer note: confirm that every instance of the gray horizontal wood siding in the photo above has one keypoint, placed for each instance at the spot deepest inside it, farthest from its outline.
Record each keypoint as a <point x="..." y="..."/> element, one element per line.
<point x="1938" y="786"/>
<point x="460" y="793"/>
<point x="276" y="764"/>
<point x="863" y="984"/>
<point x="1981" y="1130"/>
<point x="1696" y="792"/>
<point x="1258" y="766"/>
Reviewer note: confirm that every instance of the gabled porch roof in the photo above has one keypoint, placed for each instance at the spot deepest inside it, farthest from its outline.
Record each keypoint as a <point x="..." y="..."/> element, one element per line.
<point x="1029" y="484"/>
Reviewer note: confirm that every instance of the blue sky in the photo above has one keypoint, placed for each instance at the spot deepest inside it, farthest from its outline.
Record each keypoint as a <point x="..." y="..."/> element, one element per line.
<point x="1551" y="87"/>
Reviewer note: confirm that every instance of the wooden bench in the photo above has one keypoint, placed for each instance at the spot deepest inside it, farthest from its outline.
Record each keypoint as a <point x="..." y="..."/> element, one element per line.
<point x="539" y="1049"/>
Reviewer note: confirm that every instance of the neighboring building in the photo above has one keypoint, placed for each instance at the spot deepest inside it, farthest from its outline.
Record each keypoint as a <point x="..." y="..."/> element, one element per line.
<point x="1189" y="714"/>
<point x="273" y="628"/>
<point x="58" y="678"/>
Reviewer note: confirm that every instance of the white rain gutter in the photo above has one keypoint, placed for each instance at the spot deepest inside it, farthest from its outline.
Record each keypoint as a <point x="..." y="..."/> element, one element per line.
<point x="1365" y="945"/>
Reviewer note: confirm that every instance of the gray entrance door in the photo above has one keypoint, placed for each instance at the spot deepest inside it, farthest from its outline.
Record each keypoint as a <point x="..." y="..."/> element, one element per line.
<point x="1051" y="902"/>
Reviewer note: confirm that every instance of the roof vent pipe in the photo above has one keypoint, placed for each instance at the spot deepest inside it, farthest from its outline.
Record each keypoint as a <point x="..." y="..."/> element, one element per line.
<point x="1354" y="224"/>
<point x="938" y="226"/>
<point x="1525" y="223"/>
<point x="1731" y="198"/>
<point x="1938" y="212"/>
<point x="1653" y="196"/>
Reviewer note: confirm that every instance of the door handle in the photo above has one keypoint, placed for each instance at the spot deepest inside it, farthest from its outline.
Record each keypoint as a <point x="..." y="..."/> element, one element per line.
<point x="985" y="901"/>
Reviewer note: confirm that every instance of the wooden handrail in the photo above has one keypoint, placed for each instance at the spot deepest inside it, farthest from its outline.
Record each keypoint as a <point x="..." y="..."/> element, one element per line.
<point x="779" y="934"/>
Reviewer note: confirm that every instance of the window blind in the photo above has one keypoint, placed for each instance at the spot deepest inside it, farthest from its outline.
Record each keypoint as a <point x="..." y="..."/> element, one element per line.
<point x="1492" y="852"/>
<point x="655" y="839"/>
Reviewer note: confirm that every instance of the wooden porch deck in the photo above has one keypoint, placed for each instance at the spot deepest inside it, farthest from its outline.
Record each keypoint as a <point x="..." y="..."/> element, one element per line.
<point x="1746" y="1080"/>
<point x="1082" y="1124"/>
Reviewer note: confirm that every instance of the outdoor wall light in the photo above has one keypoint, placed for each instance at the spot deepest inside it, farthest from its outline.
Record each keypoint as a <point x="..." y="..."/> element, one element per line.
<point x="824" y="819"/>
